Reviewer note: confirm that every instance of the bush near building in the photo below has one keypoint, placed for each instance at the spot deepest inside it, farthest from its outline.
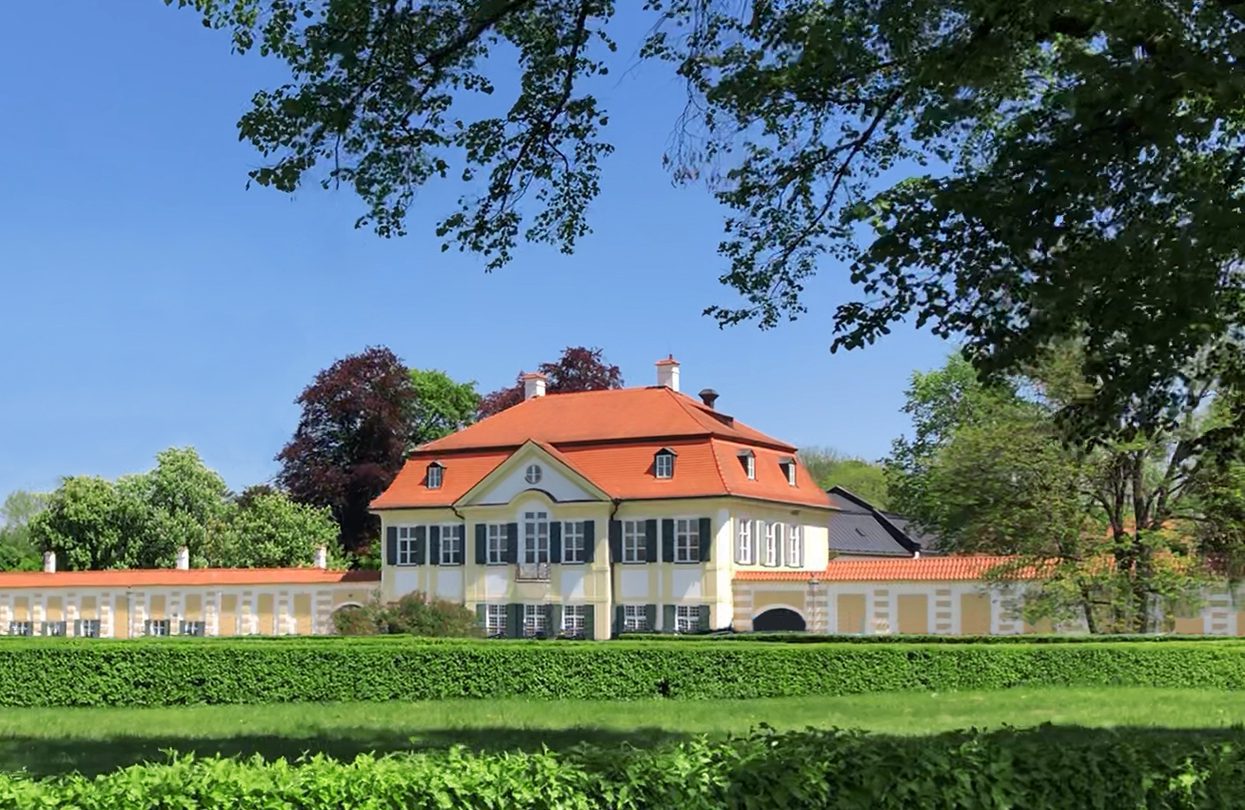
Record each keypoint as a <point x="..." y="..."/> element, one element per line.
<point x="412" y="615"/>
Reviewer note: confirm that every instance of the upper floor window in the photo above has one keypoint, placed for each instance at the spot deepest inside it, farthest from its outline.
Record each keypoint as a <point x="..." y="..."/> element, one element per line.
<point x="687" y="540"/>
<point x="634" y="542"/>
<point x="663" y="463"/>
<point x="533" y="474"/>
<point x="773" y="540"/>
<point x="743" y="542"/>
<point x="535" y="537"/>
<point x="435" y="473"/>
<point x="406" y="546"/>
<point x="795" y="547"/>
<point x="749" y="461"/>
<point x="451" y="544"/>
<point x="496" y="544"/>
<point x="788" y="469"/>
<point x="574" y="542"/>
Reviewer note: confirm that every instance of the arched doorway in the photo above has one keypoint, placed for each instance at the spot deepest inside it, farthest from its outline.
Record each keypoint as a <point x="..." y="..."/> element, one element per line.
<point x="778" y="619"/>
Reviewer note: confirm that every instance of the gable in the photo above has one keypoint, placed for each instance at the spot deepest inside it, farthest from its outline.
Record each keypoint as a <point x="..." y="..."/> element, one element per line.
<point x="558" y="480"/>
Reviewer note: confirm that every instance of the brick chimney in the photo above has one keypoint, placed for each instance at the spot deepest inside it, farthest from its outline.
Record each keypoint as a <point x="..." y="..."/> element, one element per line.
<point x="668" y="373"/>
<point x="533" y="385"/>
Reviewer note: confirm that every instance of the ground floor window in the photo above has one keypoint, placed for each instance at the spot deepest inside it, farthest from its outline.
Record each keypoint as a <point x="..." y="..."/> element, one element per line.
<point x="574" y="620"/>
<point x="635" y="619"/>
<point x="53" y="628"/>
<point x="86" y="628"/>
<point x="193" y="629"/>
<point x="687" y="619"/>
<point x="535" y="620"/>
<point x="494" y="620"/>
<point x="21" y="628"/>
<point x="156" y="627"/>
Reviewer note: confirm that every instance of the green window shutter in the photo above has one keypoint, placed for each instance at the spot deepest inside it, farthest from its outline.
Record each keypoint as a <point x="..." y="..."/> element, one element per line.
<point x="481" y="544"/>
<point x="667" y="540"/>
<point x="554" y="614"/>
<point x="590" y="540"/>
<point x="706" y="539"/>
<point x="434" y="545"/>
<point x="482" y="615"/>
<point x="589" y="623"/>
<point x="555" y="541"/>
<point x="514" y="620"/>
<point x="704" y="619"/>
<point x="391" y="545"/>
<point x="421" y="544"/>
<point x="650" y="616"/>
<point x="619" y="616"/>
<point x="616" y="542"/>
<point x="650" y="541"/>
<point x="512" y="542"/>
<point x="667" y="618"/>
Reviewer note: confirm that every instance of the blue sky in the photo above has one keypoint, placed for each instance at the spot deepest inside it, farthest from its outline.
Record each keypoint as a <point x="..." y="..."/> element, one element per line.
<point x="148" y="299"/>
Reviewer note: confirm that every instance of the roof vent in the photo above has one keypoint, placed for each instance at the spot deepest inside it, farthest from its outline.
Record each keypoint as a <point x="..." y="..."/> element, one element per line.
<point x="708" y="396"/>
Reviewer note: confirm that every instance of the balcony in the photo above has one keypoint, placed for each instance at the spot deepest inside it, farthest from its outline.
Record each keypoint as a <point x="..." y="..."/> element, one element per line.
<point x="532" y="572"/>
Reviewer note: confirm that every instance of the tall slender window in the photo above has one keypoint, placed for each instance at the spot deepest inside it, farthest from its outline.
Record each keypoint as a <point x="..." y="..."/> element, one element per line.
<point x="687" y="540"/>
<point x="535" y="537"/>
<point x="772" y="540"/>
<point x="434" y="475"/>
<point x="634" y="543"/>
<point x="795" y="547"/>
<point x="743" y="542"/>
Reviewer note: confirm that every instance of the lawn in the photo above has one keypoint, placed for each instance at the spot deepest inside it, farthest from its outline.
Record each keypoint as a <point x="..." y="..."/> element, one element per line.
<point x="49" y="741"/>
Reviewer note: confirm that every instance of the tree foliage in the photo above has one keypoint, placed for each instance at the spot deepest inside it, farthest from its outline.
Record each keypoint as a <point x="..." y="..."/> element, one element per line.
<point x="412" y="615"/>
<point x="17" y="550"/>
<point x="351" y="440"/>
<point x="578" y="369"/>
<point x="269" y="530"/>
<point x="831" y="468"/>
<point x="1005" y="171"/>
<point x="440" y="406"/>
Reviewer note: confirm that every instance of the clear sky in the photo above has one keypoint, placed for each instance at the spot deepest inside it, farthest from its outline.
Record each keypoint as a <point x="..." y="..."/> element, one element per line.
<point x="148" y="299"/>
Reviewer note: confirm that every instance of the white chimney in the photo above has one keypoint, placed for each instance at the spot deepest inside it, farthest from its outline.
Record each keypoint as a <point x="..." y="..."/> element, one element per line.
<point x="533" y="385"/>
<point x="183" y="559"/>
<point x="49" y="562"/>
<point x="668" y="373"/>
<point x="322" y="557"/>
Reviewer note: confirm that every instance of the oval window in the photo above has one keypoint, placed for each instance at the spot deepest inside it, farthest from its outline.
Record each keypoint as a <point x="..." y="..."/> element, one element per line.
<point x="532" y="475"/>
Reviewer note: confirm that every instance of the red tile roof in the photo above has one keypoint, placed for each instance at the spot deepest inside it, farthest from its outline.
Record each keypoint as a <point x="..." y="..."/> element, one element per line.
<point x="949" y="568"/>
<point x="174" y="577"/>
<point x="610" y="438"/>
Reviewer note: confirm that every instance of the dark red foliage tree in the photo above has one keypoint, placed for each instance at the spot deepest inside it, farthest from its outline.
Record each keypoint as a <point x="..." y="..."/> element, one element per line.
<point x="578" y="369"/>
<point x="350" y="440"/>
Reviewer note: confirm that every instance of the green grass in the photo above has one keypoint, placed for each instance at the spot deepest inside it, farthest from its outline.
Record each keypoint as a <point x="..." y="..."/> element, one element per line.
<point x="91" y="740"/>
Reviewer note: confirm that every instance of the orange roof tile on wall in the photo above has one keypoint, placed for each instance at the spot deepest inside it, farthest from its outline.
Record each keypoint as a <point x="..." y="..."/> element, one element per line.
<point x="920" y="569"/>
<point x="175" y="577"/>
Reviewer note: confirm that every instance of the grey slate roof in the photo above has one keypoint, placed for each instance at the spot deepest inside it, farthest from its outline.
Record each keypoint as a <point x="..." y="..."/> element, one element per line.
<point x="858" y="528"/>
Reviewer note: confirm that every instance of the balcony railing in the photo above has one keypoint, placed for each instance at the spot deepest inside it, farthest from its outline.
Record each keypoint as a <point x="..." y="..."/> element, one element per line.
<point x="532" y="572"/>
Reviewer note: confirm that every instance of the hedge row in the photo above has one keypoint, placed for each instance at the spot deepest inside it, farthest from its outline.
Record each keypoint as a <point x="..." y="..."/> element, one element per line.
<point x="813" y="638"/>
<point x="69" y="673"/>
<point x="828" y="769"/>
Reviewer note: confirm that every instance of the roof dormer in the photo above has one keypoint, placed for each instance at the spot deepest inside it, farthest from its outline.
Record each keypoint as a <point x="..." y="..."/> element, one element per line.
<point x="435" y="475"/>
<point x="787" y="463"/>
<point x="663" y="463"/>
<point x="748" y="460"/>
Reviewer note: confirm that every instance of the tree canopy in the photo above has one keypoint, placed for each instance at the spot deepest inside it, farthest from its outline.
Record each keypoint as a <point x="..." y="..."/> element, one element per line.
<point x="1002" y="171"/>
<point x="577" y="369"/>
<point x="441" y="405"/>
<point x="17" y="550"/>
<point x="831" y="468"/>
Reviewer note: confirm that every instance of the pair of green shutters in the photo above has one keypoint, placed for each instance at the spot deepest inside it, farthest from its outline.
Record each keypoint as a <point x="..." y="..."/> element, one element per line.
<point x="667" y="618"/>
<point x="704" y="535"/>
<point x="553" y="619"/>
<point x="428" y="543"/>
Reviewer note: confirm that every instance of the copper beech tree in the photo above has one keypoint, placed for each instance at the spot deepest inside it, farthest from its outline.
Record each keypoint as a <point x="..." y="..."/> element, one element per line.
<point x="578" y="369"/>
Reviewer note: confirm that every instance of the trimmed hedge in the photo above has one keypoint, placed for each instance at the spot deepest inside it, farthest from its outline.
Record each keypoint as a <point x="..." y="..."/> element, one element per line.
<point x="793" y="637"/>
<point x="174" y="672"/>
<point x="816" y="769"/>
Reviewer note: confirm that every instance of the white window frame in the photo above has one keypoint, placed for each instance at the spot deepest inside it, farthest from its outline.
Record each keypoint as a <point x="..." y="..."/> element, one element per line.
<point x="495" y="620"/>
<point x="574" y="620"/>
<point x="533" y="474"/>
<point x="150" y="626"/>
<point x="188" y="628"/>
<point x="86" y="625"/>
<point x="687" y="619"/>
<point x="750" y="466"/>
<point x="534" y="545"/>
<point x="436" y="475"/>
<point x="535" y="619"/>
<point x="448" y="552"/>
<point x="687" y="540"/>
<point x="663" y="465"/>
<point x="635" y="619"/>
<point x="772" y="542"/>
<point x="406" y="545"/>
<point x="495" y="544"/>
<point x="25" y="628"/>
<point x="795" y="546"/>
<point x="743" y="542"/>
<point x="634" y="542"/>
<point x="62" y="626"/>
<point x="574" y="537"/>
<point x="791" y="473"/>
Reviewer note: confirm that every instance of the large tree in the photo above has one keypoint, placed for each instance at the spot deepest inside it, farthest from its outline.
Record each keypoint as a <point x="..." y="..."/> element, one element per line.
<point x="350" y="441"/>
<point x="267" y="529"/>
<point x="18" y="551"/>
<point x="831" y="468"/>
<point x="1006" y="171"/>
<point x="578" y="369"/>
<point x="441" y="405"/>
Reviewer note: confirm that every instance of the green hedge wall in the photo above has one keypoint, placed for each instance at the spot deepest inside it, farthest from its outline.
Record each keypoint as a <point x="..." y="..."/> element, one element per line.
<point x="829" y="769"/>
<point x="56" y="672"/>
<point x="813" y="638"/>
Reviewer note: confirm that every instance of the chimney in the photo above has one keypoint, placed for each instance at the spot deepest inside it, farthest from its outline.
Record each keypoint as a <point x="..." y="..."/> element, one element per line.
<point x="708" y="396"/>
<point x="668" y="373"/>
<point x="322" y="557"/>
<point x="183" y="559"/>
<point x="533" y="384"/>
<point x="49" y="562"/>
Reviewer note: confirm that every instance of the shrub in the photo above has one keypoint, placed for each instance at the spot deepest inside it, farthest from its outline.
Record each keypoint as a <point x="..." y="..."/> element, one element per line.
<point x="152" y="672"/>
<point x="412" y="615"/>
<point x="763" y="771"/>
